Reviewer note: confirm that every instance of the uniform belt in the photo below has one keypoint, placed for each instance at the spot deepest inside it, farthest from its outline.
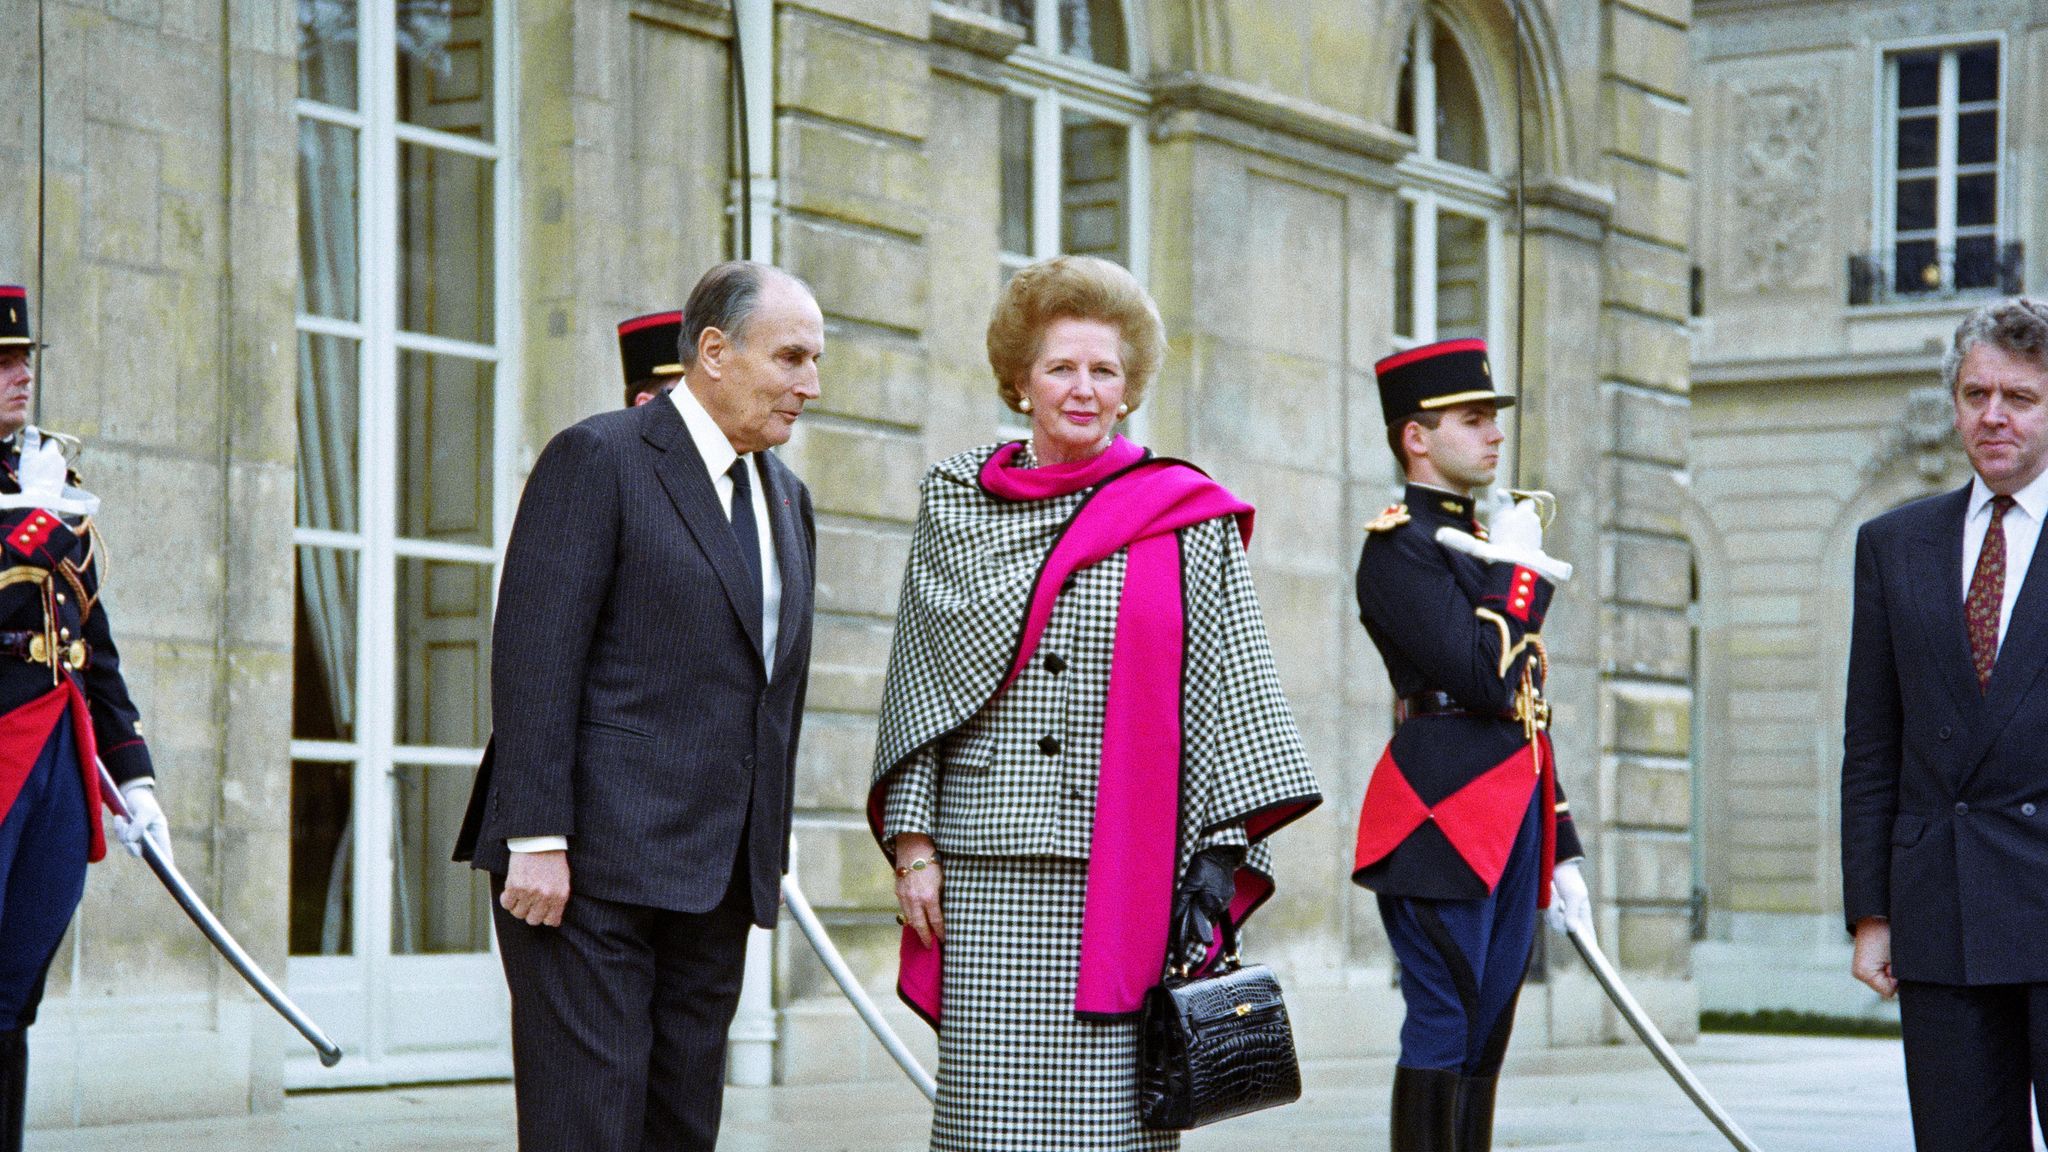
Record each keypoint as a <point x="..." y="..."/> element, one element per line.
<point x="1433" y="704"/>
<point x="34" y="647"/>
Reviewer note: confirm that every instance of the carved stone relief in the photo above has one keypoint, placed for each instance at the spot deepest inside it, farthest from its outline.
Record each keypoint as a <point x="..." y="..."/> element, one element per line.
<point x="1925" y="435"/>
<point x="1780" y="129"/>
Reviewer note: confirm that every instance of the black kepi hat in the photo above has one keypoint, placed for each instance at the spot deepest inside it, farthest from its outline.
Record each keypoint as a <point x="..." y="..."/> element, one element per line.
<point x="14" y="331"/>
<point x="648" y="346"/>
<point x="1436" y="376"/>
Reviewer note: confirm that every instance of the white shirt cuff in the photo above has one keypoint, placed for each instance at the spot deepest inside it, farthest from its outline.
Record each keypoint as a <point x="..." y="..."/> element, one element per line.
<point x="538" y="843"/>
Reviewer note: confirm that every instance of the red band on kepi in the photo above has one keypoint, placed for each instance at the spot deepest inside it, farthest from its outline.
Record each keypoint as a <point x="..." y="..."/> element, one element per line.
<point x="649" y="346"/>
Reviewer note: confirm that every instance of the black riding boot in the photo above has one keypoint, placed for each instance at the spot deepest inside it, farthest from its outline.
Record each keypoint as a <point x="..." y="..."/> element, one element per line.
<point x="13" y="1087"/>
<point x="1475" y="1112"/>
<point x="1425" y="1109"/>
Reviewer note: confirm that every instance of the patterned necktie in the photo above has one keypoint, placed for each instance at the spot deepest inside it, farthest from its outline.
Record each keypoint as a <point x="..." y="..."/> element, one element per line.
<point x="1987" y="594"/>
<point x="743" y="518"/>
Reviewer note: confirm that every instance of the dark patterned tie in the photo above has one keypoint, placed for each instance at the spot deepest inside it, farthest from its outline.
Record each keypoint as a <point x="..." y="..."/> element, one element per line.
<point x="750" y="540"/>
<point x="1987" y="594"/>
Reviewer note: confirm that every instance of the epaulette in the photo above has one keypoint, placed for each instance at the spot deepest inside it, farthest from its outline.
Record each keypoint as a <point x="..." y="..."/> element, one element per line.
<point x="1395" y="516"/>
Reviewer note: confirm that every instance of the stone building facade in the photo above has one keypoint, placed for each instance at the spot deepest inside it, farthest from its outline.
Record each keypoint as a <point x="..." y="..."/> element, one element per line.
<point x="322" y="278"/>
<point x="1868" y="172"/>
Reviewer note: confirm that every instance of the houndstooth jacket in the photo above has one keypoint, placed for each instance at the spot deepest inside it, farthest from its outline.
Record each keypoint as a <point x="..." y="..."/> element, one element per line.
<point x="1015" y="775"/>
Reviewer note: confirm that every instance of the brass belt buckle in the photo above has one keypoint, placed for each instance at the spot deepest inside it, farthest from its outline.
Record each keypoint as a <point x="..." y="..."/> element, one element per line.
<point x="38" y="650"/>
<point x="74" y="656"/>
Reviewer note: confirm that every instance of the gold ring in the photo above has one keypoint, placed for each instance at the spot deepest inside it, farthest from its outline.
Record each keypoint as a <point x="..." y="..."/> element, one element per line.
<point x="901" y="919"/>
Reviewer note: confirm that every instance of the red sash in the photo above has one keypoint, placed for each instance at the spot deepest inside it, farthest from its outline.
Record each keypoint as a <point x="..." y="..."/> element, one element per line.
<point x="23" y="734"/>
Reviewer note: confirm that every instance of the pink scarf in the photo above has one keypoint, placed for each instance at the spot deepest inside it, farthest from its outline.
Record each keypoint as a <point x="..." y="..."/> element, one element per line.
<point x="1139" y="506"/>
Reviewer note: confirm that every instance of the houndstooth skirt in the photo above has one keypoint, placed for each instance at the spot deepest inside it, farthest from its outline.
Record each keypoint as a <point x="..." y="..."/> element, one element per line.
<point x="1017" y="1071"/>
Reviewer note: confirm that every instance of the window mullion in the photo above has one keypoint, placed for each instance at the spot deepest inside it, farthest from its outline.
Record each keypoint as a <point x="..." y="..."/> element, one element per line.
<point x="1045" y="176"/>
<point x="1424" y="97"/>
<point x="1945" y="161"/>
<point x="1425" y="274"/>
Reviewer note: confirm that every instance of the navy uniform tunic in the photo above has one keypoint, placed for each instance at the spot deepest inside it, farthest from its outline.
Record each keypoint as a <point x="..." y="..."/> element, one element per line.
<point x="57" y="655"/>
<point x="1464" y="803"/>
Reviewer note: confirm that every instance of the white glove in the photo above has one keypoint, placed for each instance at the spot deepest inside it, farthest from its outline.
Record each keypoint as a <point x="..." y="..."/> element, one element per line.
<point x="140" y="797"/>
<point x="1518" y="526"/>
<point x="1571" y="906"/>
<point x="1493" y="552"/>
<point x="43" y="473"/>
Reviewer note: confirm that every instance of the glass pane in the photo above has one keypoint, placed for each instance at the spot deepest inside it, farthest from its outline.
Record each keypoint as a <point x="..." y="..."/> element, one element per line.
<point x="444" y="76"/>
<point x="444" y="241"/>
<point x="1016" y="206"/>
<point x="1976" y="138"/>
<point x="1915" y="205"/>
<point x="1404" y="270"/>
<point x="437" y="906"/>
<point x="329" y="388"/>
<point x="1023" y="12"/>
<point x="1976" y="200"/>
<point x="1917" y="138"/>
<point x="444" y="462"/>
<point x="1404" y="99"/>
<point x="328" y="213"/>
<point x="1916" y="268"/>
<point x="1977" y="262"/>
<point x="1461" y="279"/>
<point x="1977" y="74"/>
<point x="1460" y="120"/>
<point x="324" y="645"/>
<point x="1094" y="187"/>
<point x="1094" y="30"/>
<point x="322" y="843"/>
<point x="327" y="52"/>
<point x="444" y="653"/>
<point x="1919" y="79"/>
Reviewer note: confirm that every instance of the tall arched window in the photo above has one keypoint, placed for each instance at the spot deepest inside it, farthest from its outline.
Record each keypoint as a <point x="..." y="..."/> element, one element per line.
<point x="1448" y="262"/>
<point x="1074" y="169"/>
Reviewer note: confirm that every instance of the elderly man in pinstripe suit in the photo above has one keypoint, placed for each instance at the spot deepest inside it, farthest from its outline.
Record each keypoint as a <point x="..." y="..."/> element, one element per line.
<point x="649" y="662"/>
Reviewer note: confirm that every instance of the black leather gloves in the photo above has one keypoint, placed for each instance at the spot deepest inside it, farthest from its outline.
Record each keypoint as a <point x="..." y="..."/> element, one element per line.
<point x="1203" y="897"/>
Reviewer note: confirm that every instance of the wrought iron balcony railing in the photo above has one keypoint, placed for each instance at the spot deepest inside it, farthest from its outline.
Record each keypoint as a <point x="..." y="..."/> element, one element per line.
<point x="1918" y="270"/>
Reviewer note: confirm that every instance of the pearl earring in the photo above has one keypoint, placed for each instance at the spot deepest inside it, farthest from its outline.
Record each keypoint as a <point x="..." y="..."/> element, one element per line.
<point x="1024" y="405"/>
<point x="1123" y="410"/>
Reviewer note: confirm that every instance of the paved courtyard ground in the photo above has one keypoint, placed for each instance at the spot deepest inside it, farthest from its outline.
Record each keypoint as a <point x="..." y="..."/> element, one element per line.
<point x="1792" y="1094"/>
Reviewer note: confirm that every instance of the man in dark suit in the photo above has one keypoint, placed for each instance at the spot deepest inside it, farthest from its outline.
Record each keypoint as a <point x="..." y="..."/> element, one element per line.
<point x="1944" y="784"/>
<point x="649" y="661"/>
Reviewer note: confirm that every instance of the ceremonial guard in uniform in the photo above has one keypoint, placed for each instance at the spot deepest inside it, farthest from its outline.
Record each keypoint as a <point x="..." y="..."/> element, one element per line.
<point x="647" y="350"/>
<point x="1464" y="818"/>
<point x="62" y="704"/>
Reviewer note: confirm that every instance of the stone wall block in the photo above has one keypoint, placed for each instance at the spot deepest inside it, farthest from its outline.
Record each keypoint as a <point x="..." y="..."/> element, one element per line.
<point x="873" y="375"/>
<point x="1654" y="941"/>
<point x="834" y="759"/>
<point x="858" y="275"/>
<point x="1645" y="350"/>
<point x="1651" y="719"/>
<point x="1649" y="426"/>
<point x="1644" y="498"/>
<point x="911" y="18"/>
<point x="1652" y="795"/>
<point x="1649" y="570"/>
<point x="860" y="567"/>
<point x="1650" y="127"/>
<point x="1648" y="278"/>
<point x="1648" y="52"/>
<point x="859" y="470"/>
<point x="847" y="74"/>
<point x="1652" y="866"/>
<point x="842" y="868"/>
<point x="849" y="656"/>
<point x="1650" y="203"/>
<point x="859" y="179"/>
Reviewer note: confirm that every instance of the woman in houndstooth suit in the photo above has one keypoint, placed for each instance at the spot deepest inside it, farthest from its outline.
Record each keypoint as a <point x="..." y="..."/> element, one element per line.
<point x="1083" y="739"/>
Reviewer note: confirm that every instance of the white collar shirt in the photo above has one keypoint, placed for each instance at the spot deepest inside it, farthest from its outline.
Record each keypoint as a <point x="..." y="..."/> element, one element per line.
<point x="718" y="456"/>
<point x="2022" y="525"/>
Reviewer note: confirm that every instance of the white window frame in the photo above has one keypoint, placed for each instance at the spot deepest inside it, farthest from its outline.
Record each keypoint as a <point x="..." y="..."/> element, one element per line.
<point x="375" y="754"/>
<point x="1055" y="83"/>
<point x="1431" y="188"/>
<point x="1884" y="174"/>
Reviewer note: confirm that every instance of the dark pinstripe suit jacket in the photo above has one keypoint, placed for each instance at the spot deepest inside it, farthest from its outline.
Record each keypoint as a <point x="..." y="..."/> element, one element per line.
<point x="631" y="708"/>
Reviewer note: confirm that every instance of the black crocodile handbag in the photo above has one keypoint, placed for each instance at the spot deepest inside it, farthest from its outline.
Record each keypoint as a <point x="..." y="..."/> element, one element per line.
<point x="1215" y="1045"/>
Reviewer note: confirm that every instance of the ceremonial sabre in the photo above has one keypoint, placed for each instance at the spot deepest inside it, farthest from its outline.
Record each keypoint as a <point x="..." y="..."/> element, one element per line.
<point x="806" y="919"/>
<point x="217" y="934"/>
<point x="1659" y="1047"/>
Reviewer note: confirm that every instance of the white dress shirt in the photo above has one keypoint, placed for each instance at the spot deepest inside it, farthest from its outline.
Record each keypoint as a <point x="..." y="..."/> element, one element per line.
<point x="718" y="456"/>
<point x="2022" y="531"/>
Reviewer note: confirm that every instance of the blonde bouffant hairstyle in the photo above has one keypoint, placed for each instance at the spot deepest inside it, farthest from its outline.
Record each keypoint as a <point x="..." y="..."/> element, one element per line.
<point x="1073" y="288"/>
